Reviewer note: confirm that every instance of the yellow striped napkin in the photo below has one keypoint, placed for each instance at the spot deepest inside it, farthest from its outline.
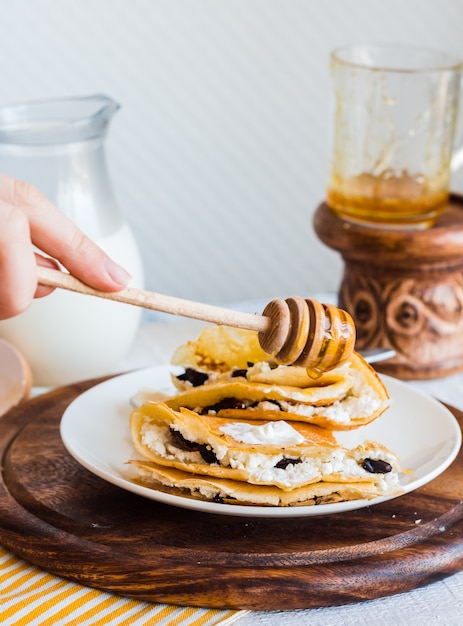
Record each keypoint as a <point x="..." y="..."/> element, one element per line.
<point x="30" y="596"/>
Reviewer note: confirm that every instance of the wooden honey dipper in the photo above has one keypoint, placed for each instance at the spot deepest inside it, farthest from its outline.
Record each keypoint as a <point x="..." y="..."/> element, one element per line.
<point x="294" y="331"/>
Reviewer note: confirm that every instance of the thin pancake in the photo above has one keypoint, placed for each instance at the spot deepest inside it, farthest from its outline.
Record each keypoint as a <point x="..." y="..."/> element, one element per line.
<point x="209" y="445"/>
<point x="228" y="491"/>
<point x="354" y="396"/>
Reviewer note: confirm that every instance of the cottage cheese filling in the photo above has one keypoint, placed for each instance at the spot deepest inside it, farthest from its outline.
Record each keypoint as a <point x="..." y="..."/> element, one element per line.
<point x="276" y="433"/>
<point x="261" y="467"/>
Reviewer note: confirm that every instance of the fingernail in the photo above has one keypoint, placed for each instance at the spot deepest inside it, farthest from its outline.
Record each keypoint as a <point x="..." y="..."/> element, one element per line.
<point x="117" y="273"/>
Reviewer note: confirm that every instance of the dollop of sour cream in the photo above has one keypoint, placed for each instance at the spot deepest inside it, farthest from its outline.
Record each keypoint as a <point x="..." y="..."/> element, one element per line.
<point x="278" y="433"/>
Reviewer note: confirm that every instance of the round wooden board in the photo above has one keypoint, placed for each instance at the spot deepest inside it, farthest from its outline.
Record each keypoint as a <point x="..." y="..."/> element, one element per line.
<point x="57" y="515"/>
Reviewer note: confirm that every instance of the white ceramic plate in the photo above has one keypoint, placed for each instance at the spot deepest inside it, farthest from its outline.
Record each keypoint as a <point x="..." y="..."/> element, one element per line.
<point x="95" y="431"/>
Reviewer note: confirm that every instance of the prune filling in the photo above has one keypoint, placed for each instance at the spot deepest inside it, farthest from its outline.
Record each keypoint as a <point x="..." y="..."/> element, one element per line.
<point x="239" y="373"/>
<point x="229" y="403"/>
<point x="283" y="463"/>
<point x="183" y="443"/>
<point x="194" y="377"/>
<point x="222" y="499"/>
<point x="234" y="403"/>
<point x="376" y="466"/>
<point x="208" y="454"/>
<point x="204" y="450"/>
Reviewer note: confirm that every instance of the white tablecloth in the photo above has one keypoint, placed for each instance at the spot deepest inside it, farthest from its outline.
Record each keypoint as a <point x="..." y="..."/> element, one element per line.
<point x="440" y="603"/>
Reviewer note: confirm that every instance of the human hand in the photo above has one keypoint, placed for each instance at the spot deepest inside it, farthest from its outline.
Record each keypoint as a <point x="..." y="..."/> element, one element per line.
<point x="28" y="219"/>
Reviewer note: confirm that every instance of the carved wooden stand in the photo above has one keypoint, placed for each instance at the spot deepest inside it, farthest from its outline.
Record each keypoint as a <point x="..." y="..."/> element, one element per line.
<point x="404" y="289"/>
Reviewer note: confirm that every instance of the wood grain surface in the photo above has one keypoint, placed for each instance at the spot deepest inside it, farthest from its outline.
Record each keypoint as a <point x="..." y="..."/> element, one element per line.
<point x="57" y="515"/>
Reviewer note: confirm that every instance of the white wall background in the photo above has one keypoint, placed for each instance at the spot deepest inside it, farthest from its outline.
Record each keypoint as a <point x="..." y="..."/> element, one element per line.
<point x="218" y="155"/>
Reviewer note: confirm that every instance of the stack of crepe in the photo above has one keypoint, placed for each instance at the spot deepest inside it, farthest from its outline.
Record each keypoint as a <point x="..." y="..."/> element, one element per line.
<point x="242" y="429"/>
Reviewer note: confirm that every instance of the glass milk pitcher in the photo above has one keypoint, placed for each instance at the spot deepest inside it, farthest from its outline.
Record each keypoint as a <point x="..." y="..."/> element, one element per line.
<point x="59" y="147"/>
